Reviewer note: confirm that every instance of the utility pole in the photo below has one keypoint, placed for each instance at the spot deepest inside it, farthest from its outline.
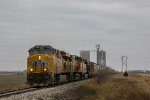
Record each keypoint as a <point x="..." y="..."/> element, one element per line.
<point x="145" y="72"/>
<point x="124" y="64"/>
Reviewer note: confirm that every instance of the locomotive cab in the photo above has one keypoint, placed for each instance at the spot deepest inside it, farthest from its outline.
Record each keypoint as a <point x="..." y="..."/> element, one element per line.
<point x="39" y="68"/>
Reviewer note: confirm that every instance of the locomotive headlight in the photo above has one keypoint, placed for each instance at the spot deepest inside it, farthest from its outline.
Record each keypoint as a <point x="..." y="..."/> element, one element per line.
<point x="31" y="69"/>
<point x="45" y="69"/>
<point x="39" y="57"/>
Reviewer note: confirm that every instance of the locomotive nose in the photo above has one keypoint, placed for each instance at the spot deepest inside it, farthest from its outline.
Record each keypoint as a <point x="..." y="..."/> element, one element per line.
<point x="38" y="67"/>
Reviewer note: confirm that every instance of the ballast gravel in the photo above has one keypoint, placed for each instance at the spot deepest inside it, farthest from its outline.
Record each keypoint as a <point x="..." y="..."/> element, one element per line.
<point x="51" y="93"/>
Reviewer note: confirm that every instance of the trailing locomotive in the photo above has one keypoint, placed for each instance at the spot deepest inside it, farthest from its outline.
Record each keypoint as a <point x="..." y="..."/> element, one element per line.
<point x="46" y="64"/>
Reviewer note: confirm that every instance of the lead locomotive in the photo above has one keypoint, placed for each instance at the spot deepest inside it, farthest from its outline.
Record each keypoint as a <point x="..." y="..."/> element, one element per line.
<point x="46" y="64"/>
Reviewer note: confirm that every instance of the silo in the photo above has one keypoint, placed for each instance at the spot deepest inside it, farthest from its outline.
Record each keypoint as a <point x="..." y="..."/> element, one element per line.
<point x="101" y="58"/>
<point x="85" y="54"/>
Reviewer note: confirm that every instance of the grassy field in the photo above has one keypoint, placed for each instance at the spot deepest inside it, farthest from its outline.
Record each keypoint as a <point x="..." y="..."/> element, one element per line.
<point x="16" y="81"/>
<point x="12" y="82"/>
<point x="107" y="86"/>
<point x="112" y="87"/>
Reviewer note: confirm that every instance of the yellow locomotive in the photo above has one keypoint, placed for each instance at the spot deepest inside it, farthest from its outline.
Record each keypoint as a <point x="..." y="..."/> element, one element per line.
<point x="45" y="64"/>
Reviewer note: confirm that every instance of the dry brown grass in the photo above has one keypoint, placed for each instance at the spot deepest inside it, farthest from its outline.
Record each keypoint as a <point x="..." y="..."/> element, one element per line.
<point x="12" y="82"/>
<point x="122" y="89"/>
<point x="113" y="87"/>
<point x="140" y="77"/>
<point x="136" y="76"/>
<point x="147" y="79"/>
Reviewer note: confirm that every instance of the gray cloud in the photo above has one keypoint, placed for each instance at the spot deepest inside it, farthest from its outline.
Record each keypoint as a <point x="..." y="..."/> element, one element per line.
<point x="120" y="26"/>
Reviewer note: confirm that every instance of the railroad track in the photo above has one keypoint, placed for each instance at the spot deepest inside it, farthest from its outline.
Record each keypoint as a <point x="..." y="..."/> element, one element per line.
<point x="20" y="91"/>
<point x="6" y="94"/>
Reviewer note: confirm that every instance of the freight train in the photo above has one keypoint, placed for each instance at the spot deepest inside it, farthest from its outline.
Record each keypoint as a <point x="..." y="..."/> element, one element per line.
<point x="45" y="65"/>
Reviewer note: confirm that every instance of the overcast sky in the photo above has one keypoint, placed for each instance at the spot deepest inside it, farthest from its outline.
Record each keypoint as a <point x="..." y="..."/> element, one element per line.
<point x="121" y="27"/>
